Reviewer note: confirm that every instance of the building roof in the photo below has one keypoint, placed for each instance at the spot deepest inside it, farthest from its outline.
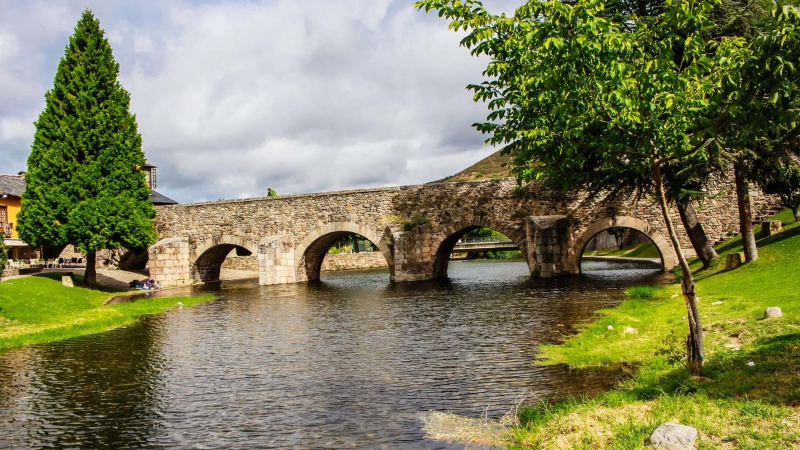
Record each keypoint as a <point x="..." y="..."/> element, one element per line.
<point x="159" y="199"/>
<point x="12" y="185"/>
<point x="149" y="166"/>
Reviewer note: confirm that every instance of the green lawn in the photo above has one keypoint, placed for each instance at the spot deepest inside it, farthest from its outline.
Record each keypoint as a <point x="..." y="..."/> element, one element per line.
<point x="737" y="405"/>
<point x="643" y="250"/>
<point x="39" y="309"/>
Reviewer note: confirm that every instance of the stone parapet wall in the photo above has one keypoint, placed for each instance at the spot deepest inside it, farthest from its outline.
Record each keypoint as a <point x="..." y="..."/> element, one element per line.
<point x="295" y="215"/>
<point x="352" y="261"/>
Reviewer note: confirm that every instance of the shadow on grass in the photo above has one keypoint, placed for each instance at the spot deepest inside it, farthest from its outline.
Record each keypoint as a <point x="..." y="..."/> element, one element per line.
<point x="768" y="373"/>
<point x="786" y="234"/>
<point x="102" y="281"/>
<point x="729" y="246"/>
<point x="714" y="268"/>
<point x="737" y="241"/>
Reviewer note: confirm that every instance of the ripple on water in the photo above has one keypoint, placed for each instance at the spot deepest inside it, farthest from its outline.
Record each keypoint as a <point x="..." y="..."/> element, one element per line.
<point x="349" y="362"/>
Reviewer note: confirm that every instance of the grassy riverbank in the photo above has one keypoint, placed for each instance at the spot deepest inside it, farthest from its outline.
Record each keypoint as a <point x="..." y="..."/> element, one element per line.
<point x="750" y="395"/>
<point x="39" y="309"/>
<point x="643" y="250"/>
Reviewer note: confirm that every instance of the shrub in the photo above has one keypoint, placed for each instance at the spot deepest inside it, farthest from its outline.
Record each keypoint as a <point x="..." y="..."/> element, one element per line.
<point x="415" y="222"/>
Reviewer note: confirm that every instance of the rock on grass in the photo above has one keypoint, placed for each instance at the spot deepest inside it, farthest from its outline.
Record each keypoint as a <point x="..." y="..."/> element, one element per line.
<point x="673" y="436"/>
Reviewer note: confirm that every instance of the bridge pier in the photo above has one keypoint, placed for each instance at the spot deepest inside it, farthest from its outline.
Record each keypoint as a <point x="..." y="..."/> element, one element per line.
<point x="414" y="255"/>
<point x="277" y="261"/>
<point x="169" y="261"/>
<point x="549" y="246"/>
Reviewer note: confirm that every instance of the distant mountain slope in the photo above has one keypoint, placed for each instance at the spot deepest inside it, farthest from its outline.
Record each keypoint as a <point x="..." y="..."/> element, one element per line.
<point x="493" y="166"/>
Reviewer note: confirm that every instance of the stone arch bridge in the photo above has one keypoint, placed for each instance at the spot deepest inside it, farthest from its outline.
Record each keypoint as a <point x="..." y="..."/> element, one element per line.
<point x="415" y="228"/>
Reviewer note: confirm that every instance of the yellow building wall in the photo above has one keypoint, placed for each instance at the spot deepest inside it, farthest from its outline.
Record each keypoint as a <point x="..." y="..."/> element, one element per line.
<point x="14" y="204"/>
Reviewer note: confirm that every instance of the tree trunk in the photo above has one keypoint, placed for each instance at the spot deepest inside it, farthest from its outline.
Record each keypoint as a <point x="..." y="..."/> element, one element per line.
<point x="745" y="215"/>
<point x="355" y="244"/>
<point x="694" y="341"/>
<point x="700" y="242"/>
<point x="90" y="275"/>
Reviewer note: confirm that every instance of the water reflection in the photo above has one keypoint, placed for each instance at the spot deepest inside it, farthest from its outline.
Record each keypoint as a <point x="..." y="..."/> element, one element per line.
<point x="346" y="362"/>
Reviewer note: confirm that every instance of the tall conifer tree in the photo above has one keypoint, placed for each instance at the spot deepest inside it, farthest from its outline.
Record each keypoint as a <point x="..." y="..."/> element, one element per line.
<point x="84" y="184"/>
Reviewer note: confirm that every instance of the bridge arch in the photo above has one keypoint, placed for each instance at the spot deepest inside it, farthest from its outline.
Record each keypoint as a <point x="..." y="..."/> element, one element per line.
<point x="445" y="242"/>
<point x="310" y="253"/>
<point x="669" y="259"/>
<point x="134" y="259"/>
<point x="208" y="256"/>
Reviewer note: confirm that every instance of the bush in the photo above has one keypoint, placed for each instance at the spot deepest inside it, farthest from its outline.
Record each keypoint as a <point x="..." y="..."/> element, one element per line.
<point x="392" y="220"/>
<point x="415" y="221"/>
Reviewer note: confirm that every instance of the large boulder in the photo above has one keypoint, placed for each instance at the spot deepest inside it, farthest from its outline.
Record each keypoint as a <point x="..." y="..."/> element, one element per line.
<point x="673" y="436"/>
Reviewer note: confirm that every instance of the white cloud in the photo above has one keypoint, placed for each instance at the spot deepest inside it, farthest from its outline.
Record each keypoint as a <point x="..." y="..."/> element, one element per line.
<point x="233" y="97"/>
<point x="8" y="46"/>
<point x="142" y="43"/>
<point x="13" y="128"/>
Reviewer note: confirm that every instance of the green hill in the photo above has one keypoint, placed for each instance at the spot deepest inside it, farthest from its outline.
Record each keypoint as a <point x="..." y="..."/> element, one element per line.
<point x="493" y="166"/>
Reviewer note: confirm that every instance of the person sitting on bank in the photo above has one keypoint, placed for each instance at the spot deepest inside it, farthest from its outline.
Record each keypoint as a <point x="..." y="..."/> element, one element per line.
<point x="271" y="193"/>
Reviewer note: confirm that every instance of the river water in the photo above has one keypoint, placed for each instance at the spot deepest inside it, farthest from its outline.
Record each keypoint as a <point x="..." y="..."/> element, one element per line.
<point x="349" y="362"/>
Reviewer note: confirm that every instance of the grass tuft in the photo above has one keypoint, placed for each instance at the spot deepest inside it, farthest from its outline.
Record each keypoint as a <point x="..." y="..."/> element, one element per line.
<point x="643" y="250"/>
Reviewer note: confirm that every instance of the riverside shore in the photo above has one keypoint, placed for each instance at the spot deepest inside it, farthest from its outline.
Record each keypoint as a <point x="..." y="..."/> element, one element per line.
<point x="38" y="308"/>
<point x="749" y="396"/>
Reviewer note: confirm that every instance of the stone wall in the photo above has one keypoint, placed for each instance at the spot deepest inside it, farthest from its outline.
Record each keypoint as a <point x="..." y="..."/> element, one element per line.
<point x="297" y="216"/>
<point x="606" y="240"/>
<point x="9" y="272"/>
<point x="341" y="261"/>
<point x="249" y="263"/>
<point x="352" y="261"/>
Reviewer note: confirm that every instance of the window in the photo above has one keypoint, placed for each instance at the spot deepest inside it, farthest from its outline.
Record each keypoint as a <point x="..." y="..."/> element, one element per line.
<point x="150" y="177"/>
<point x="5" y="228"/>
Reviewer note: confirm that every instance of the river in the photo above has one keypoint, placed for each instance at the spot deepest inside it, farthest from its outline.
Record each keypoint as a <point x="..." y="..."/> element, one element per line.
<point x="349" y="362"/>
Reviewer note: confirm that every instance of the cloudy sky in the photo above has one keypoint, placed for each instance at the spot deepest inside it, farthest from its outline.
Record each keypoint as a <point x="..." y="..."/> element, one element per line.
<point x="233" y="97"/>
